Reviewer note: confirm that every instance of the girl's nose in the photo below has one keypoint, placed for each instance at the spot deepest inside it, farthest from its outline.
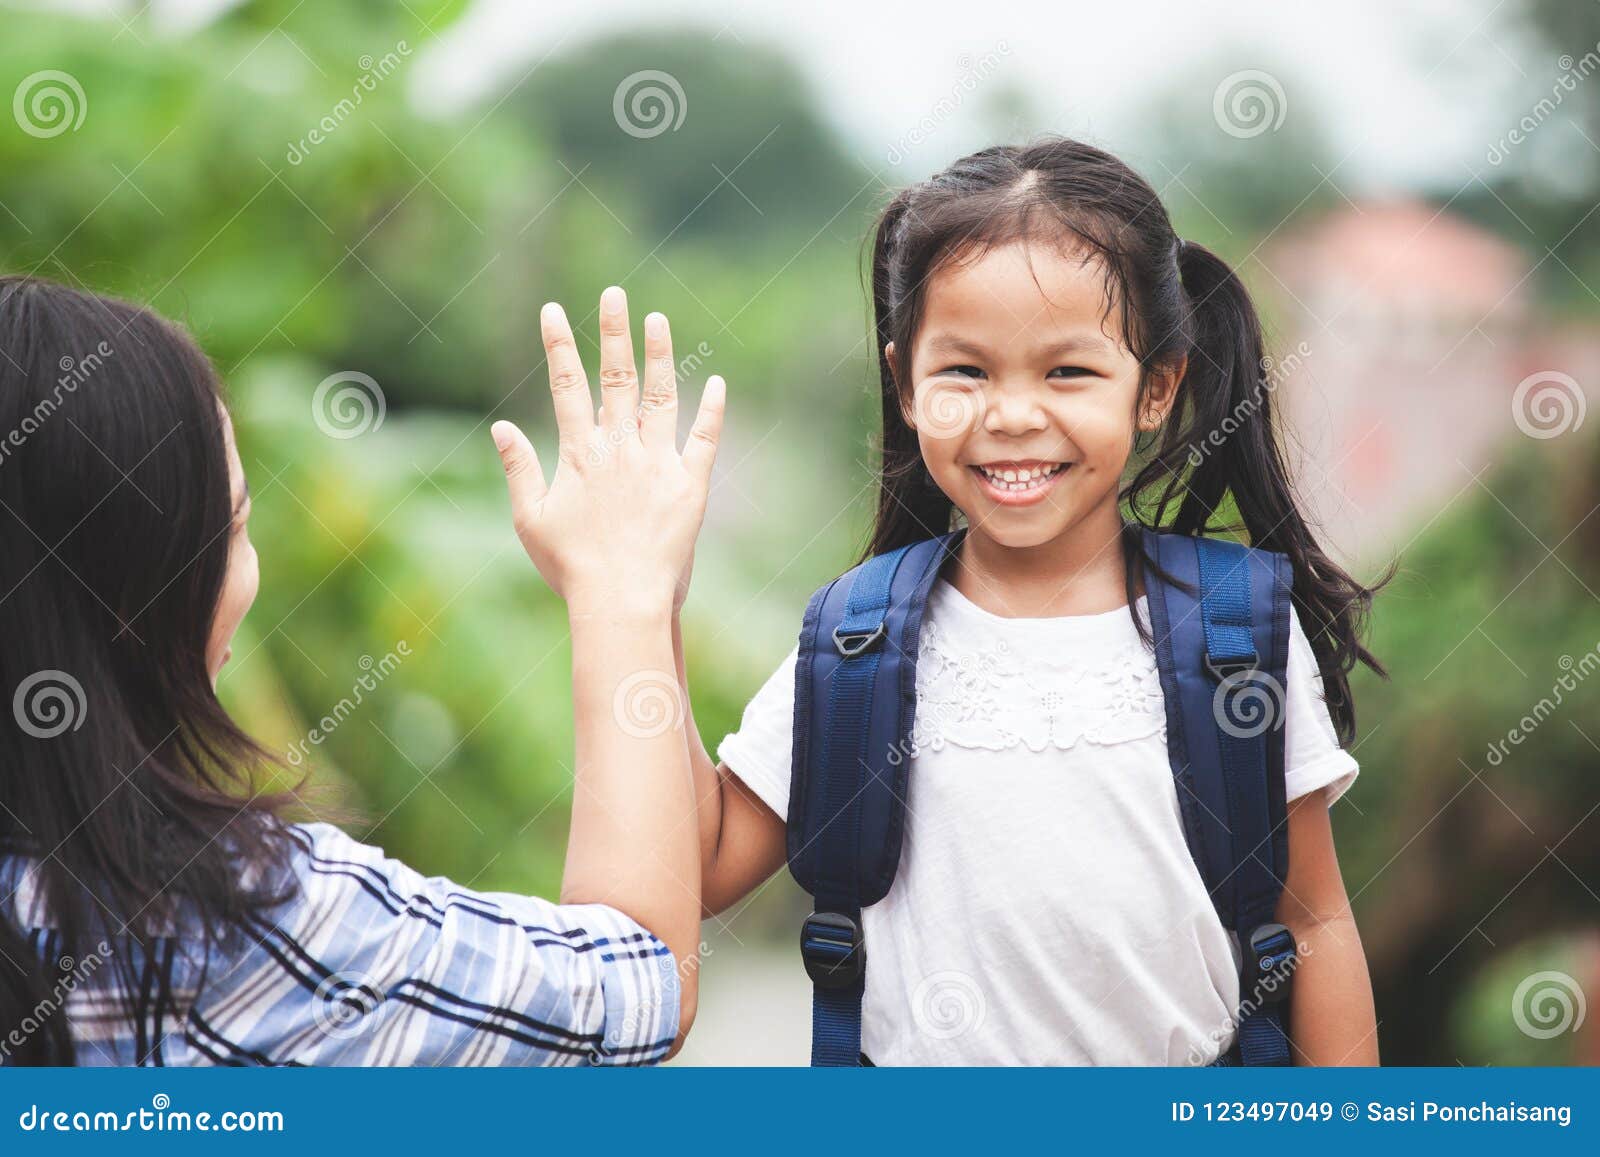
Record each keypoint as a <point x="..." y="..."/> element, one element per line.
<point x="1013" y="411"/>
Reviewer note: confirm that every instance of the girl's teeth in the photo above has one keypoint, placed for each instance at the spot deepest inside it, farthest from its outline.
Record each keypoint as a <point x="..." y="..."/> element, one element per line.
<point x="1014" y="480"/>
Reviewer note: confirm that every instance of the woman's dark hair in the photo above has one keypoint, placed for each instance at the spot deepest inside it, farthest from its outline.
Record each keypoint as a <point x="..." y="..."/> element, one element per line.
<point x="122" y="779"/>
<point x="1175" y="300"/>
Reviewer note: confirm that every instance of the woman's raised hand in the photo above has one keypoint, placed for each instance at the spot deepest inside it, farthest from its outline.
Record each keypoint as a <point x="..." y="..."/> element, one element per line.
<point x="615" y="527"/>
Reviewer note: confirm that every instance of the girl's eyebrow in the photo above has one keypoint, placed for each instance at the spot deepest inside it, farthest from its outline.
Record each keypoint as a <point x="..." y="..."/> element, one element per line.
<point x="1081" y="343"/>
<point x="950" y="343"/>
<point x="1078" y="343"/>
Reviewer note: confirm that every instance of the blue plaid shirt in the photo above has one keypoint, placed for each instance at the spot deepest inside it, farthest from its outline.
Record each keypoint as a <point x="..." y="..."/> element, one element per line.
<point x="370" y="964"/>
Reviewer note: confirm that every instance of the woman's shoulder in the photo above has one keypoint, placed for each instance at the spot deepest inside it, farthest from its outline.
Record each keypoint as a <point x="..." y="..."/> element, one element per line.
<point x="328" y="862"/>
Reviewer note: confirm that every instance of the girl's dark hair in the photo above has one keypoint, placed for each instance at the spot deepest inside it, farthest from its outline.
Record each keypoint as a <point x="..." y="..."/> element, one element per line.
<point x="1175" y="300"/>
<point x="122" y="778"/>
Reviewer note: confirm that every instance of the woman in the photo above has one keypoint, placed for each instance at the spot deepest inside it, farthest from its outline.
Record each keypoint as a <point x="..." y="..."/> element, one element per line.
<point x="156" y="904"/>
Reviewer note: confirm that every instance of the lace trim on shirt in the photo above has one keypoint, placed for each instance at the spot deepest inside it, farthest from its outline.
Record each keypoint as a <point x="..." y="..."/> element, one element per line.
<point x="989" y="698"/>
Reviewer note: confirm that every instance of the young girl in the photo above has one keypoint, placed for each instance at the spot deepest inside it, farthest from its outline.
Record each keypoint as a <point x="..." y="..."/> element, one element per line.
<point x="155" y="907"/>
<point x="1039" y="324"/>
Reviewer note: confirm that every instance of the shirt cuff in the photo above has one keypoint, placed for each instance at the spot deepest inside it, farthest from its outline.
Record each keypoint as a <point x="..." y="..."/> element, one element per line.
<point x="639" y="985"/>
<point x="1336" y="771"/>
<point x="770" y="785"/>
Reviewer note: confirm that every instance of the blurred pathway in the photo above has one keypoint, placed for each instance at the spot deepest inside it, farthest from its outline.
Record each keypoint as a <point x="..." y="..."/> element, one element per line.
<point x="755" y="1007"/>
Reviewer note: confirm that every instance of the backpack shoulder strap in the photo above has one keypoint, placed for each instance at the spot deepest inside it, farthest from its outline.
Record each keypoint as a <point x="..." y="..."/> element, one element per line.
<point x="855" y="703"/>
<point x="1221" y="624"/>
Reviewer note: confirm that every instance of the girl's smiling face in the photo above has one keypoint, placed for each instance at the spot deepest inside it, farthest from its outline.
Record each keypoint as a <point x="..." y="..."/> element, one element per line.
<point x="1022" y="391"/>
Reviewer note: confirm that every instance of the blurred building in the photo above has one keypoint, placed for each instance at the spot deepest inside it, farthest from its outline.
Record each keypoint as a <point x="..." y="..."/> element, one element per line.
<point x="1409" y="332"/>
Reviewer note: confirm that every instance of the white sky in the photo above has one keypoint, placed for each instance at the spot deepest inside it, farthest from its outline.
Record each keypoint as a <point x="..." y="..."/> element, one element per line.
<point x="1414" y="90"/>
<point x="1411" y="92"/>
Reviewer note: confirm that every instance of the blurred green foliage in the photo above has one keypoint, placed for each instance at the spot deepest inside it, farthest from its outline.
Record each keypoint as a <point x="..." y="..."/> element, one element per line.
<point x="417" y="250"/>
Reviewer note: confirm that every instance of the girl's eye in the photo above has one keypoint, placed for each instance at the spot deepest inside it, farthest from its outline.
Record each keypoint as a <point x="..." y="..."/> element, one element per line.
<point x="963" y="371"/>
<point x="1063" y="372"/>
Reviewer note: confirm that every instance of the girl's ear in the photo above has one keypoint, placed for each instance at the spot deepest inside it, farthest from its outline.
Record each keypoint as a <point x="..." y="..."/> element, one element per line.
<point x="908" y="409"/>
<point x="1161" y="394"/>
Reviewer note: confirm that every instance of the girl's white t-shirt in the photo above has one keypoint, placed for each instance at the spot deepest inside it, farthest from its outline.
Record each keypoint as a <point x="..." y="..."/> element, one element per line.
<point x="1046" y="910"/>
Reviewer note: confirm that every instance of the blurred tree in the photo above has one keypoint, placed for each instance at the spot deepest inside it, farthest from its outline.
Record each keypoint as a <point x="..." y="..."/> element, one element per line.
<point x="1540" y="178"/>
<point x="685" y="135"/>
<point x="274" y="190"/>
<point x="1235" y="168"/>
<point x="1466" y="844"/>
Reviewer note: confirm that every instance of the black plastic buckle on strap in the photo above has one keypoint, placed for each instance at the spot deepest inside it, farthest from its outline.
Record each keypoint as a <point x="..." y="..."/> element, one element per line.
<point x="833" y="951"/>
<point x="1231" y="667"/>
<point x="1271" y="958"/>
<point x="849" y="644"/>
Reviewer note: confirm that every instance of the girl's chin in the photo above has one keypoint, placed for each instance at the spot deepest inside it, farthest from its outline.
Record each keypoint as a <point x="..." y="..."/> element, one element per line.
<point x="1015" y="534"/>
<point x="1017" y="528"/>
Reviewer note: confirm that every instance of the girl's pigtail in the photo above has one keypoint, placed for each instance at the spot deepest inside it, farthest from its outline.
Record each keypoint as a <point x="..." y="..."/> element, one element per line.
<point x="1232" y="448"/>
<point x="1228" y="391"/>
<point x="910" y="506"/>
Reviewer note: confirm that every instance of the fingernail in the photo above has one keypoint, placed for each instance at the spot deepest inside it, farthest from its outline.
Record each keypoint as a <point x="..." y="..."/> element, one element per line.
<point x="613" y="299"/>
<point x="501" y="433"/>
<point x="655" y="325"/>
<point x="552" y="312"/>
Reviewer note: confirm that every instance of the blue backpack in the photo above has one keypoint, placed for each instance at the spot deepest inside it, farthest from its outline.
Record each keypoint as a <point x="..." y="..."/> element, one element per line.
<point x="1221" y="629"/>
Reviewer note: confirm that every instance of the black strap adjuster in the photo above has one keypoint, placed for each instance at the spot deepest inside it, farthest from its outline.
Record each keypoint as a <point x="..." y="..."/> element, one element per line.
<point x="832" y="948"/>
<point x="1231" y="667"/>
<point x="1271" y="958"/>
<point x="849" y="644"/>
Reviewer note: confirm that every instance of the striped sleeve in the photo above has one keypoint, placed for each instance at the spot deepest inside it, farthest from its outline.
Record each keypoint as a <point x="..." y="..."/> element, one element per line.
<point x="374" y="964"/>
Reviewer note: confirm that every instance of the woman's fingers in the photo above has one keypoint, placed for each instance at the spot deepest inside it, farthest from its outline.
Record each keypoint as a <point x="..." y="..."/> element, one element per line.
<point x="701" y="450"/>
<point x="569" y="388"/>
<point x="524" y="478"/>
<point x="619" y="378"/>
<point x="658" y="418"/>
